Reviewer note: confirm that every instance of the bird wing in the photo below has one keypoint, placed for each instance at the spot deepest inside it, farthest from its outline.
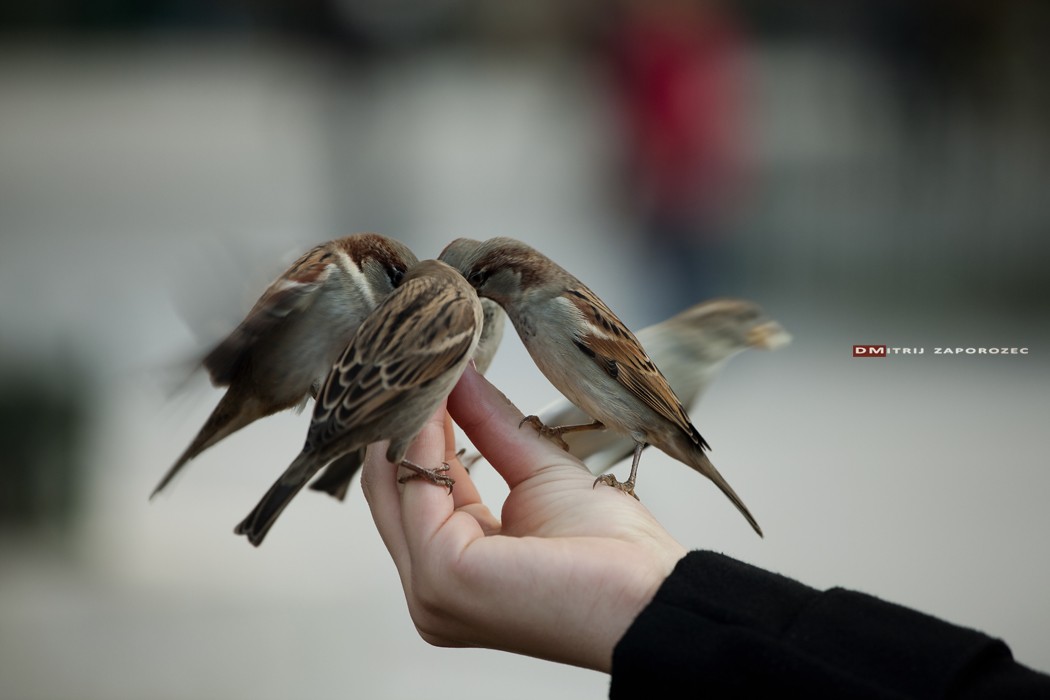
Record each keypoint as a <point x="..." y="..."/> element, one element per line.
<point x="423" y="330"/>
<point x="610" y="344"/>
<point x="293" y="292"/>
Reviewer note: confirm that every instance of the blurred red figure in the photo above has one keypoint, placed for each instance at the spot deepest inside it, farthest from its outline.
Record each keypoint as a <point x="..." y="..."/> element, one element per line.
<point x="680" y="70"/>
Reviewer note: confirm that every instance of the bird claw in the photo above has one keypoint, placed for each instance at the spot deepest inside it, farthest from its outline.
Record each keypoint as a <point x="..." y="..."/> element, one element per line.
<point x="468" y="461"/>
<point x="623" y="486"/>
<point x="552" y="434"/>
<point x="434" y="476"/>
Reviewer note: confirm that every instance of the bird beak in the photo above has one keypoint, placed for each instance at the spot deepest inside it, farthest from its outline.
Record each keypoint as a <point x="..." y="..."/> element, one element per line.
<point x="768" y="336"/>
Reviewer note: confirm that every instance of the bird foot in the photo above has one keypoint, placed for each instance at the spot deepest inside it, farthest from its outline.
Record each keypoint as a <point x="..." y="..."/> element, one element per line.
<point x="552" y="434"/>
<point x="469" y="460"/>
<point x="434" y="476"/>
<point x="610" y="480"/>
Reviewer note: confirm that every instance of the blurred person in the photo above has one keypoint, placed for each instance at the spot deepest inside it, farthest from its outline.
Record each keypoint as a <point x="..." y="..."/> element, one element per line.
<point x="590" y="578"/>
<point x="679" y="76"/>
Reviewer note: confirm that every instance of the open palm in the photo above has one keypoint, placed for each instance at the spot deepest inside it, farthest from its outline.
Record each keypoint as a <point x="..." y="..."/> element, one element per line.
<point x="560" y="575"/>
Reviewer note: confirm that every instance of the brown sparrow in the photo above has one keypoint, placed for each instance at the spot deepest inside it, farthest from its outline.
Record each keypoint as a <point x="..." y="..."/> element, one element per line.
<point x="336" y="478"/>
<point x="588" y="354"/>
<point x="495" y="319"/>
<point x="402" y="362"/>
<point x="289" y="340"/>
<point x="690" y="348"/>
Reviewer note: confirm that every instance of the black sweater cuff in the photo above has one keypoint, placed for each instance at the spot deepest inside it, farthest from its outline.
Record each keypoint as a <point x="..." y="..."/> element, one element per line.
<point x="721" y="628"/>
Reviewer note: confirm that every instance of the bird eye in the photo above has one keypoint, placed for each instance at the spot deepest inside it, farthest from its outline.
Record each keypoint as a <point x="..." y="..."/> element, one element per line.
<point x="396" y="275"/>
<point x="478" y="278"/>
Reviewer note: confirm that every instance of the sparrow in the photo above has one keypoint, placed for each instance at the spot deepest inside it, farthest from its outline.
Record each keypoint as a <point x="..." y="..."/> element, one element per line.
<point x="279" y="354"/>
<point x="690" y="348"/>
<point x="495" y="319"/>
<point x="491" y="335"/>
<point x="403" y="361"/>
<point x="588" y="354"/>
<point x="336" y="478"/>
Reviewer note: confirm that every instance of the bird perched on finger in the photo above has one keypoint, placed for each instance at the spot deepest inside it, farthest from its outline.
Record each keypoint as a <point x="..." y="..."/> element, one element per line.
<point x="690" y="348"/>
<point x="402" y="362"/>
<point x="279" y="354"/>
<point x="588" y="354"/>
<point x="336" y="478"/>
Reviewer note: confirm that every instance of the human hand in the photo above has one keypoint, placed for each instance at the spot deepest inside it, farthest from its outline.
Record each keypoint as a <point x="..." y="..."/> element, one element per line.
<point x="561" y="577"/>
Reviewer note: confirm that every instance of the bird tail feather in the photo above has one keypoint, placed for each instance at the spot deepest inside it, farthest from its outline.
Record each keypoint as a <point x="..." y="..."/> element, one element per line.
<point x="702" y="464"/>
<point x="264" y="515"/>
<point x="336" y="477"/>
<point x="229" y="416"/>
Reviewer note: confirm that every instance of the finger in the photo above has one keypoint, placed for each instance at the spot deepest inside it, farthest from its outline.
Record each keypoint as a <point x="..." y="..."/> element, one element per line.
<point x="425" y="506"/>
<point x="467" y="499"/>
<point x="491" y="421"/>
<point x="489" y="523"/>
<point x="450" y="438"/>
<point x="379" y="484"/>
<point x="465" y="492"/>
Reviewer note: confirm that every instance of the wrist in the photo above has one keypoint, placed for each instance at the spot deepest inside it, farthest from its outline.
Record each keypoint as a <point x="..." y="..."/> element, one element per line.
<point x="636" y="590"/>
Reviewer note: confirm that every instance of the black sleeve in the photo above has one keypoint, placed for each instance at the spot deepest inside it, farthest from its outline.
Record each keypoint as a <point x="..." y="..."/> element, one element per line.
<point x="721" y="628"/>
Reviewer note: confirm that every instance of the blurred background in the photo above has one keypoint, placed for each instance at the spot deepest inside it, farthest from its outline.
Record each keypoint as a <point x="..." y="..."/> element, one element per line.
<point x="869" y="172"/>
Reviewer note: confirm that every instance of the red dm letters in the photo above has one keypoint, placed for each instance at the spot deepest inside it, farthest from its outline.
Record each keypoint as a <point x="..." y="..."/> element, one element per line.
<point x="869" y="351"/>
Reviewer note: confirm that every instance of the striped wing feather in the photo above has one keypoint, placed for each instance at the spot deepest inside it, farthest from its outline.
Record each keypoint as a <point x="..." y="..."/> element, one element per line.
<point x="617" y="351"/>
<point x="414" y="338"/>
